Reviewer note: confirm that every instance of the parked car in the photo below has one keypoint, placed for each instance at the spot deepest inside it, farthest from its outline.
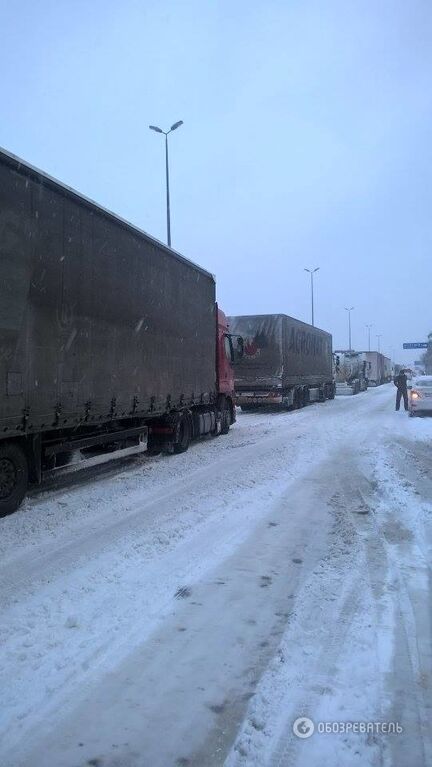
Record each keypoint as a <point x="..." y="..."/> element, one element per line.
<point x="420" y="395"/>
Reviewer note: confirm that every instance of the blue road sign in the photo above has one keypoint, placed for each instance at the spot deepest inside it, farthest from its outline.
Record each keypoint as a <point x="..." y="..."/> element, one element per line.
<point x="417" y="345"/>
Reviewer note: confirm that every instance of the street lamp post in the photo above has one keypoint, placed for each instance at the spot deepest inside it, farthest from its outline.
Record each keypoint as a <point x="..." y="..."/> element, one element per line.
<point x="369" y="330"/>
<point x="312" y="272"/>
<point x="349" y="310"/>
<point x="166" y="134"/>
<point x="379" y="341"/>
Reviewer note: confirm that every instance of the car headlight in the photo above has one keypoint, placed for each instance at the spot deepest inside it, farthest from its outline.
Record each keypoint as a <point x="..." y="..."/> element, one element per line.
<point x="415" y="395"/>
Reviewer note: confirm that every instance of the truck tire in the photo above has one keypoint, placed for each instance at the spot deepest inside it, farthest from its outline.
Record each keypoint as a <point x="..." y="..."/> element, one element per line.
<point x="225" y="418"/>
<point x="183" y="434"/>
<point x="225" y="415"/>
<point x="13" y="477"/>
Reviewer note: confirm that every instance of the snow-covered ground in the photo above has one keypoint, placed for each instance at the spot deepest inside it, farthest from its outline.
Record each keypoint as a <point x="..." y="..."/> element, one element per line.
<point x="183" y="611"/>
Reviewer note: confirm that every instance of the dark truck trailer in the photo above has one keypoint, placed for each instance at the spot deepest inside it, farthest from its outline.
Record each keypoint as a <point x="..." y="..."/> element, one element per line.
<point x="285" y="362"/>
<point x="106" y="335"/>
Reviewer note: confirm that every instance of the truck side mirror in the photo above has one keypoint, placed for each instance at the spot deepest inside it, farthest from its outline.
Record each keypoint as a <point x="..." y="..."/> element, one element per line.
<point x="234" y="347"/>
<point x="239" y="352"/>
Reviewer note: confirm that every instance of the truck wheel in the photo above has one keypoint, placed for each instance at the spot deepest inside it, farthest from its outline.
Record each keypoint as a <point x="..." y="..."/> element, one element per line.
<point x="13" y="477"/>
<point x="225" y="415"/>
<point x="183" y="434"/>
<point x="225" y="419"/>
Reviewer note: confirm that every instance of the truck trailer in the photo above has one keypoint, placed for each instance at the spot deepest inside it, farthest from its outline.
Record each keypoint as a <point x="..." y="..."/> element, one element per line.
<point x="378" y="368"/>
<point x="108" y="338"/>
<point x="285" y="362"/>
<point x="388" y="370"/>
<point x="350" y="372"/>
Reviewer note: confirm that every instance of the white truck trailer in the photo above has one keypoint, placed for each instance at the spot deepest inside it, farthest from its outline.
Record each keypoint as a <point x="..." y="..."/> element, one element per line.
<point x="378" y="368"/>
<point x="349" y="372"/>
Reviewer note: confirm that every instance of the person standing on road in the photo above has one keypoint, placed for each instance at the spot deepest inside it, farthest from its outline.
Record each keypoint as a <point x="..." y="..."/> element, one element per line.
<point x="400" y="381"/>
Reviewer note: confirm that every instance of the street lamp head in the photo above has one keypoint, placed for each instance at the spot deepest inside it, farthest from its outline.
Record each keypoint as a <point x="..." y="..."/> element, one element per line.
<point x="176" y="125"/>
<point x="154" y="127"/>
<point x="349" y="309"/>
<point x="317" y="269"/>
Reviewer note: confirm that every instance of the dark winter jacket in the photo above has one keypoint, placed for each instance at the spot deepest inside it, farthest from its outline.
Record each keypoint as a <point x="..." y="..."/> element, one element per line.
<point x="401" y="381"/>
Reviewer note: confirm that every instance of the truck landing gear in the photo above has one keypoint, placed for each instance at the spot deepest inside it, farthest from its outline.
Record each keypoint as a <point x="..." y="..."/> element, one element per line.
<point x="13" y="477"/>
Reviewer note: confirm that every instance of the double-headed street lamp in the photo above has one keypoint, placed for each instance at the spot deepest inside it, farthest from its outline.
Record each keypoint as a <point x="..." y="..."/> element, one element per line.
<point x="369" y="330"/>
<point x="312" y="272"/>
<point x="166" y="134"/>
<point x="349" y="310"/>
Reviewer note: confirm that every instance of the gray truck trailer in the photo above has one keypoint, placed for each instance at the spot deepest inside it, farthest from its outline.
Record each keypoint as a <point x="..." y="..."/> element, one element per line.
<point x="286" y="362"/>
<point x="107" y="336"/>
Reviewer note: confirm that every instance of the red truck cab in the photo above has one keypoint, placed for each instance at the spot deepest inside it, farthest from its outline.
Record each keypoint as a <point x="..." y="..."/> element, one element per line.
<point x="229" y="347"/>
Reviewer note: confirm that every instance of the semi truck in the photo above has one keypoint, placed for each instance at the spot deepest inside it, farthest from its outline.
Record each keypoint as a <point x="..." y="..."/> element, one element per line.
<point x="285" y="363"/>
<point x="350" y="372"/>
<point x="108" y="338"/>
<point x="379" y="368"/>
<point x="388" y="370"/>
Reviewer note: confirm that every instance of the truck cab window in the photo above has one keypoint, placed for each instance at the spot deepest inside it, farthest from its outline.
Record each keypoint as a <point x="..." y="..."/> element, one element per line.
<point x="228" y="348"/>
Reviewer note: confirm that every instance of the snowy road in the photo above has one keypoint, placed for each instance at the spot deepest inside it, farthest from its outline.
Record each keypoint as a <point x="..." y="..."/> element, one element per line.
<point x="184" y="611"/>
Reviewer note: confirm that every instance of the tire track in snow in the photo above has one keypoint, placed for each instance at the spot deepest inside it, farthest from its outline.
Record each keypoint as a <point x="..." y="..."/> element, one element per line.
<point x="329" y="600"/>
<point x="116" y="546"/>
<point x="398" y="524"/>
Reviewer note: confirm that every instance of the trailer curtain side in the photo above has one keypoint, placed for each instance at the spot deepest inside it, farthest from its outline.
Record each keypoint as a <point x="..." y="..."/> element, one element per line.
<point x="97" y="319"/>
<point x="280" y="351"/>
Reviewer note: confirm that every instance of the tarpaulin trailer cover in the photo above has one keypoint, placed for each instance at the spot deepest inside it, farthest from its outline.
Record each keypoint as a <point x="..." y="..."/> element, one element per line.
<point x="281" y="351"/>
<point x="97" y="319"/>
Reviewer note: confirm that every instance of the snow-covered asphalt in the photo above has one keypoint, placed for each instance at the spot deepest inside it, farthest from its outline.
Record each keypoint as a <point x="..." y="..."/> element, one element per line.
<point x="185" y="610"/>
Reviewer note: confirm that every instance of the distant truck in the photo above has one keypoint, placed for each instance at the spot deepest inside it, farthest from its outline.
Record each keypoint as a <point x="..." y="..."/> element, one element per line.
<point x="285" y="362"/>
<point x="388" y="370"/>
<point x="350" y="372"/>
<point x="379" y="368"/>
<point x="108" y="338"/>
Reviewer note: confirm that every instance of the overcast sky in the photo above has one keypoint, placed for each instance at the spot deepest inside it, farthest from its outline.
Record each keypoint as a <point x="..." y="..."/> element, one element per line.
<point x="306" y="141"/>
